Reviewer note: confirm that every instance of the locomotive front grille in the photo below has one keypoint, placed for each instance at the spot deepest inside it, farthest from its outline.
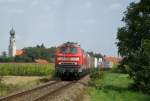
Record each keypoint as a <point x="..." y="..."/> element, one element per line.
<point x="67" y="63"/>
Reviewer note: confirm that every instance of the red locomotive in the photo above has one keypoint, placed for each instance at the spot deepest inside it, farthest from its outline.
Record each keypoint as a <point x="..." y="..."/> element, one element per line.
<point x="72" y="61"/>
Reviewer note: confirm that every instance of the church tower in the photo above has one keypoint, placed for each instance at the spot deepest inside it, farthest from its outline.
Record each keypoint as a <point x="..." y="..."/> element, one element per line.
<point x="12" y="44"/>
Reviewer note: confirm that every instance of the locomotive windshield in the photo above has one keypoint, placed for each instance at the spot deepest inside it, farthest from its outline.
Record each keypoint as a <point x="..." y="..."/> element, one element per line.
<point x="65" y="50"/>
<point x="73" y="50"/>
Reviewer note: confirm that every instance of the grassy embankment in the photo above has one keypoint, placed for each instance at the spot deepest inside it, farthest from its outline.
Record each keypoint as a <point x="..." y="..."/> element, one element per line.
<point x="16" y="77"/>
<point x="114" y="87"/>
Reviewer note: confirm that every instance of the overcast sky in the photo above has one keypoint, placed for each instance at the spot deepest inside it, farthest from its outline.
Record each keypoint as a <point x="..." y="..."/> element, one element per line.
<point x="92" y="23"/>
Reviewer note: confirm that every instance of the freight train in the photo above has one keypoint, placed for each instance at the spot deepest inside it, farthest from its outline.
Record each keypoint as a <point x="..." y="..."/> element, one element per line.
<point x="71" y="61"/>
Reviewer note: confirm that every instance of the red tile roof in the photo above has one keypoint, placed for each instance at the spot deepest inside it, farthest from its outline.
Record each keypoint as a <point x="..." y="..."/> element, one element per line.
<point x="41" y="61"/>
<point x="19" y="52"/>
<point x="112" y="59"/>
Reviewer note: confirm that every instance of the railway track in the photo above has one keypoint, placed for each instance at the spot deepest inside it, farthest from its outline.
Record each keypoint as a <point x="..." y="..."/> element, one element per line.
<point x="38" y="93"/>
<point x="45" y="92"/>
<point x="70" y="92"/>
<point x="51" y="95"/>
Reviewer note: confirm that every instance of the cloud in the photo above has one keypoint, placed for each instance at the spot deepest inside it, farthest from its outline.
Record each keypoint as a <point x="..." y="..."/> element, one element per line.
<point x="46" y="8"/>
<point x="56" y="2"/>
<point x="115" y="6"/>
<point x="87" y="4"/>
<point x="8" y="1"/>
<point x="18" y="37"/>
<point x="82" y="31"/>
<point x="137" y="1"/>
<point x="16" y="11"/>
<point x="90" y="21"/>
<point x="34" y="2"/>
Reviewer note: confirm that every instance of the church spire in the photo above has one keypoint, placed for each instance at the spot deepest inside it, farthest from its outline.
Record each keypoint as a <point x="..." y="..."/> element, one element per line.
<point x="12" y="32"/>
<point x="12" y="44"/>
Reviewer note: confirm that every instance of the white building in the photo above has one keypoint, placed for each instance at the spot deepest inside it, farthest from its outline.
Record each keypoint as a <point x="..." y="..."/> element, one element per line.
<point x="12" y="44"/>
<point x="95" y="62"/>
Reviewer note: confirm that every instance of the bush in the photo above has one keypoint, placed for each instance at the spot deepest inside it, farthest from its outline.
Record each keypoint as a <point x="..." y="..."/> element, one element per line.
<point x="96" y="79"/>
<point x="120" y="68"/>
<point x="96" y="74"/>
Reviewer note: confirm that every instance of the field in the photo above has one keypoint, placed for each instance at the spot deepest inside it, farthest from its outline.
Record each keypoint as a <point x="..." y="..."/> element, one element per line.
<point x="26" y="69"/>
<point x="114" y="87"/>
<point x="20" y="76"/>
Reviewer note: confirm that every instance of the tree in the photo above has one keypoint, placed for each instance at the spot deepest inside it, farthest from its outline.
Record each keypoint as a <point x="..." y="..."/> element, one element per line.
<point x="32" y="53"/>
<point x="4" y="54"/>
<point x="35" y="53"/>
<point x="51" y="51"/>
<point x="42" y="46"/>
<point x="96" y="55"/>
<point x="23" y="59"/>
<point x="134" y="43"/>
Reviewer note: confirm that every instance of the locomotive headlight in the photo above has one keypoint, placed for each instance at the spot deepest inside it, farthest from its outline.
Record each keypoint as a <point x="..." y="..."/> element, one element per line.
<point x="75" y="63"/>
<point x="68" y="59"/>
<point x="74" y="59"/>
<point x="59" y="63"/>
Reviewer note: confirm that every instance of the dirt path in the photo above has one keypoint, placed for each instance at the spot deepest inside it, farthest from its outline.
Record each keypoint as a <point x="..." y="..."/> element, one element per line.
<point x="20" y="79"/>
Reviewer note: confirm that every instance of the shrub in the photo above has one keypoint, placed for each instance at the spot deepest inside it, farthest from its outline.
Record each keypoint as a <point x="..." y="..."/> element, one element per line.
<point x="120" y="68"/>
<point x="96" y="79"/>
<point x="96" y="74"/>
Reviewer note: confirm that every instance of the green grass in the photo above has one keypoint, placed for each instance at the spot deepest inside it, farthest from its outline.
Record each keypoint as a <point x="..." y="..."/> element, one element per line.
<point x="114" y="87"/>
<point x="26" y="69"/>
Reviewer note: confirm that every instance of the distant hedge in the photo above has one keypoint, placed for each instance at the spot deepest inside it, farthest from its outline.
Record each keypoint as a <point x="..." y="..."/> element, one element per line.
<point x="26" y="69"/>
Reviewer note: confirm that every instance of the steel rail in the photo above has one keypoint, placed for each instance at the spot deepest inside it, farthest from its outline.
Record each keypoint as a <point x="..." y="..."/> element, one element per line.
<point x="23" y="93"/>
<point x="54" y="92"/>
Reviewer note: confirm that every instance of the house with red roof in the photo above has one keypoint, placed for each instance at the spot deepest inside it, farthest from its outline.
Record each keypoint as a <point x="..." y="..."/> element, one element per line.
<point x="19" y="52"/>
<point x="110" y="61"/>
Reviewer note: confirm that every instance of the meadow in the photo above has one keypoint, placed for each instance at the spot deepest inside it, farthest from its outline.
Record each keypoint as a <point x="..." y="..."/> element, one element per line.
<point x="114" y="87"/>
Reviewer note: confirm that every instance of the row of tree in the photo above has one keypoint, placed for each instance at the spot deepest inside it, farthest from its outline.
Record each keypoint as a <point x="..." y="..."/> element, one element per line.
<point x="134" y="44"/>
<point x="32" y="53"/>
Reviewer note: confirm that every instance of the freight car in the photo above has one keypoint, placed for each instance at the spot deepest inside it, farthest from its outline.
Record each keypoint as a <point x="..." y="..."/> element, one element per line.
<point x="71" y="61"/>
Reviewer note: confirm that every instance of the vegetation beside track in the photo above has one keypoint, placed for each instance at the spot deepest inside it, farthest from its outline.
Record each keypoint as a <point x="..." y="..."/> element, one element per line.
<point x="113" y="87"/>
<point x="13" y="70"/>
<point x="13" y="84"/>
<point x="26" y="69"/>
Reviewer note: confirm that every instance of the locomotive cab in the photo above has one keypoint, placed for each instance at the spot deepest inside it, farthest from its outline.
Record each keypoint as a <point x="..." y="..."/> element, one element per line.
<point x="68" y="60"/>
